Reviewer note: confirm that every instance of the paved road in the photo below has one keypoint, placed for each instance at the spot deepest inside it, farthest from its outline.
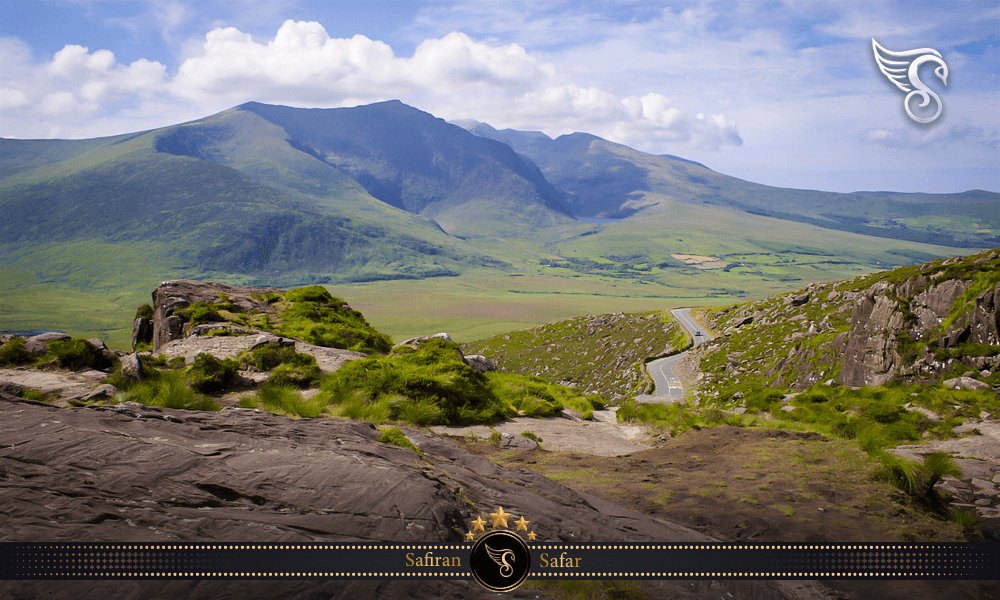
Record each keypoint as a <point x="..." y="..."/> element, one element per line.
<point x="668" y="387"/>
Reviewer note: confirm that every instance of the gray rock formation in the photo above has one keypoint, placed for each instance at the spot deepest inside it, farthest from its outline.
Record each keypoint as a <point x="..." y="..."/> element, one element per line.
<point x="423" y="338"/>
<point x="132" y="367"/>
<point x="480" y="363"/>
<point x="171" y="296"/>
<point x="142" y="332"/>
<point x="39" y="344"/>
<point x="965" y="383"/>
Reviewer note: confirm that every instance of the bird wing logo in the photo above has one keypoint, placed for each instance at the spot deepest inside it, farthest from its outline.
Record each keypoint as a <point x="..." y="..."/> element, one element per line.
<point x="500" y="558"/>
<point x="901" y="68"/>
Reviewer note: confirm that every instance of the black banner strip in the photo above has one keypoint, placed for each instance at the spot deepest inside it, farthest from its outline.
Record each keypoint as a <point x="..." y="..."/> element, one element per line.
<point x="973" y="560"/>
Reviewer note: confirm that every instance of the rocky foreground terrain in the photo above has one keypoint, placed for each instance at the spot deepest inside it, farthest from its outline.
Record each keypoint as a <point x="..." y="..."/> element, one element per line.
<point x="132" y="473"/>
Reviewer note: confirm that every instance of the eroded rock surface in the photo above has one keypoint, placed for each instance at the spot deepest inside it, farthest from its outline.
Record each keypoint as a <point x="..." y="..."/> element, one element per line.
<point x="171" y="296"/>
<point x="139" y="474"/>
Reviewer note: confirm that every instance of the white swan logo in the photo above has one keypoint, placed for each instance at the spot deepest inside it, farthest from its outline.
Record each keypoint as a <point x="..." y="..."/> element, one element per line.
<point x="901" y="68"/>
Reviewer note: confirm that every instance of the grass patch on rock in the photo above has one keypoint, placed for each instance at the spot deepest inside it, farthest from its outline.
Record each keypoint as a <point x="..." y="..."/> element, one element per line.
<point x="167" y="389"/>
<point x="432" y="385"/>
<point x="288" y="366"/>
<point x="13" y="354"/>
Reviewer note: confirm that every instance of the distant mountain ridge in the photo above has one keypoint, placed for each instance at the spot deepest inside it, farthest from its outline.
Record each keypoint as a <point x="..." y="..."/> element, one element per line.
<point x="605" y="179"/>
<point x="387" y="191"/>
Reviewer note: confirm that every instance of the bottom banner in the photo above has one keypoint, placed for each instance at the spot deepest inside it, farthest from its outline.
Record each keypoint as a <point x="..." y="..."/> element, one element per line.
<point x="499" y="560"/>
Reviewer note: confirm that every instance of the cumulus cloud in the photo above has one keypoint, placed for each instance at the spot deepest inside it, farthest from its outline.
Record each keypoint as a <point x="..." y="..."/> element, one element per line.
<point x="452" y="76"/>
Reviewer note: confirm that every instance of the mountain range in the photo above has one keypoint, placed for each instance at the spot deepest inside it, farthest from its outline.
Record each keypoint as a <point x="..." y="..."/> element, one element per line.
<point x="281" y="195"/>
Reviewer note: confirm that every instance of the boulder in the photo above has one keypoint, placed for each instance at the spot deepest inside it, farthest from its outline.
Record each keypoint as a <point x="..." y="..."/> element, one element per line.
<point x="797" y="300"/>
<point x="99" y="345"/>
<point x="101" y="392"/>
<point x="39" y="344"/>
<point x="423" y="338"/>
<point x="132" y="368"/>
<point x="142" y="332"/>
<point x="965" y="383"/>
<point x="479" y="363"/>
<point x="172" y="296"/>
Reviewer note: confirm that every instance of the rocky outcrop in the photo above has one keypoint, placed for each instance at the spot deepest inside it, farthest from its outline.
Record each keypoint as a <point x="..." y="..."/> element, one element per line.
<point x="39" y="344"/>
<point x="132" y="368"/>
<point x="984" y="323"/>
<point x="142" y="332"/>
<point x="479" y="363"/>
<point x="172" y="296"/>
<point x="871" y="356"/>
<point x="889" y="317"/>
<point x="132" y="473"/>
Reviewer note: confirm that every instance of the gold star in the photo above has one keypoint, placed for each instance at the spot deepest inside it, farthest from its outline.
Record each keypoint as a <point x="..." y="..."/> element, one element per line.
<point x="522" y="524"/>
<point x="469" y="536"/>
<point x="477" y="525"/>
<point x="531" y="536"/>
<point x="500" y="517"/>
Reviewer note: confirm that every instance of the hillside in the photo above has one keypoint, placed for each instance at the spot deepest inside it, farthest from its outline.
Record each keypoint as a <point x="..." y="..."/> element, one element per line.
<point x="601" y="354"/>
<point x="913" y="325"/>
<point x="272" y="195"/>
<point x="605" y="179"/>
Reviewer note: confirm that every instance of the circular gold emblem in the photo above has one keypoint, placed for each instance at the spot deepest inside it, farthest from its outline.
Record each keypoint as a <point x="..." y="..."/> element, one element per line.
<point x="500" y="561"/>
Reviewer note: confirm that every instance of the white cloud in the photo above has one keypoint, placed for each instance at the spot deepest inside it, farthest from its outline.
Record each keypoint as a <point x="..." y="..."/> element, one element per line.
<point x="13" y="99"/>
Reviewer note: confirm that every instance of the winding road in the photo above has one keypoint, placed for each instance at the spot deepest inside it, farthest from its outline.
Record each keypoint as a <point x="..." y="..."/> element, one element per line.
<point x="668" y="386"/>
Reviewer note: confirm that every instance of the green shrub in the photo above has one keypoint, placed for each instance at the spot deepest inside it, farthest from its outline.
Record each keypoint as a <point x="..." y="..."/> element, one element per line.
<point x="313" y="293"/>
<point x="495" y="437"/>
<point x="75" y="354"/>
<point x="144" y="311"/>
<point x="13" y="353"/>
<point x="36" y="395"/>
<point x="395" y="437"/>
<point x="882" y="412"/>
<point x="761" y="400"/>
<point x="903" y="473"/>
<point x="248" y="402"/>
<point x="201" y="312"/>
<point x="936" y="466"/>
<point x="290" y="367"/>
<point x="319" y="318"/>
<point x="168" y="390"/>
<point x="531" y="436"/>
<point x="210" y="375"/>
<point x="285" y="399"/>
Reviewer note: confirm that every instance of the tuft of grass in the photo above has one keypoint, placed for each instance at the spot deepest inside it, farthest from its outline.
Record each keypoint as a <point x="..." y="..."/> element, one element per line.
<point x="289" y="366"/>
<point x="36" y="395"/>
<point x="287" y="400"/>
<point x="13" y="353"/>
<point x="75" y="354"/>
<point x="317" y="317"/>
<point x="968" y="520"/>
<point x="396" y="437"/>
<point x="432" y="385"/>
<point x="531" y="436"/>
<point x="903" y="473"/>
<point x="168" y="390"/>
<point x="210" y="375"/>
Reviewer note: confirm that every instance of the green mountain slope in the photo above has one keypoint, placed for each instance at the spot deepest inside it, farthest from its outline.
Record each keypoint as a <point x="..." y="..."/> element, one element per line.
<point x="605" y="179"/>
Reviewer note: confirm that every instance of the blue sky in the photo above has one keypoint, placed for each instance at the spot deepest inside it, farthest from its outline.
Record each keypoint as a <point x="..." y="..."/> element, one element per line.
<point x="785" y="93"/>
